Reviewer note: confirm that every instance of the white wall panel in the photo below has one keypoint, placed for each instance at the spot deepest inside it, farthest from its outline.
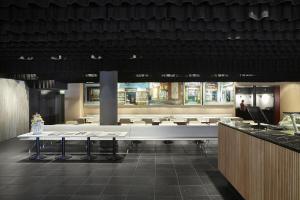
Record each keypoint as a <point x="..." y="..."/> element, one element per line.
<point x="14" y="108"/>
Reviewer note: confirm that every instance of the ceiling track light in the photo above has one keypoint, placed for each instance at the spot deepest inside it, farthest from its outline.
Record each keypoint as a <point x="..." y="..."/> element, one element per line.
<point x="237" y="37"/>
<point x="142" y="75"/>
<point x="59" y="57"/>
<point x="94" y="57"/>
<point x="263" y="14"/>
<point x="26" y="58"/>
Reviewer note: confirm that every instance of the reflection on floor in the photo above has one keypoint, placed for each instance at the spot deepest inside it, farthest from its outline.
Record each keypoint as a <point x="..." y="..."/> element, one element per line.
<point x="152" y="170"/>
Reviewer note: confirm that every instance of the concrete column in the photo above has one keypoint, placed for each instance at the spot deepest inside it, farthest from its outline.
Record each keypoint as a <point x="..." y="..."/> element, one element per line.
<point x="108" y="97"/>
<point x="254" y="95"/>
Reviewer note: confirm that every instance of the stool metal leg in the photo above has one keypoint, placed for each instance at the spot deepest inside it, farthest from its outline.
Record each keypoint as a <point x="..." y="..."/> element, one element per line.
<point x="114" y="156"/>
<point x="63" y="155"/>
<point x="88" y="156"/>
<point x="37" y="155"/>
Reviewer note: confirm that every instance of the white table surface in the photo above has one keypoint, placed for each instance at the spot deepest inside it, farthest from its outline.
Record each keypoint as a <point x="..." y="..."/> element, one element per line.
<point x="86" y="117"/>
<point x="73" y="135"/>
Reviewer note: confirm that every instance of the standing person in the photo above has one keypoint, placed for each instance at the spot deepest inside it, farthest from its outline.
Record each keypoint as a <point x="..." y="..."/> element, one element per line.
<point x="242" y="105"/>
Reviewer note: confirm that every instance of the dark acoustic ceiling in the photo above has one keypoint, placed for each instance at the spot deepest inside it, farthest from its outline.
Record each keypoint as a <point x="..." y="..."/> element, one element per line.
<point x="158" y="40"/>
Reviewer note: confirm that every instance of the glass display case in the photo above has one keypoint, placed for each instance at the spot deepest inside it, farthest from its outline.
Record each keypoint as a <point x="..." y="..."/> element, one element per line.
<point x="163" y="92"/>
<point x="218" y="93"/>
<point x="121" y="96"/>
<point x="193" y="93"/>
<point x="291" y="121"/>
<point x="142" y="97"/>
<point x="158" y="93"/>
<point x="175" y="93"/>
<point x="130" y="96"/>
<point x="91" y="94"/>
<point x="211" y="93"/>
<point x="227" y="92"/>
<point x="133" y="93"/>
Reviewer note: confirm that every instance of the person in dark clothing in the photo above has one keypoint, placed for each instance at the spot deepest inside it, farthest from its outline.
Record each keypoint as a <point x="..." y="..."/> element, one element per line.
<point x="242" y="106"/>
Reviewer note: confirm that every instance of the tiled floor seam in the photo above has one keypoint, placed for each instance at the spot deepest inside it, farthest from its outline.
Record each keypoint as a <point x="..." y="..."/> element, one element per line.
<point x="178" y="184"/>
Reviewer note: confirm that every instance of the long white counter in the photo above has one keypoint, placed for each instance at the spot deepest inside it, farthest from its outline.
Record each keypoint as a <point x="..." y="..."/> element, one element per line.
<point x="133" y="132"/>
<point x="158" y="117"/>
<point x="90" y="132"/>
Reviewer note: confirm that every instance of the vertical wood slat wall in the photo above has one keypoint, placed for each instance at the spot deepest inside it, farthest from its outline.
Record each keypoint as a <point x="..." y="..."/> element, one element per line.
<point x="258" y="169"/>
<point x="14" y="108"/>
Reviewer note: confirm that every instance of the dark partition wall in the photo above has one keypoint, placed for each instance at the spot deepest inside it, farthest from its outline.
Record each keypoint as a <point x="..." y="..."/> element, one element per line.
<point x="267" y="98"/>
<point x="50" y="104"/>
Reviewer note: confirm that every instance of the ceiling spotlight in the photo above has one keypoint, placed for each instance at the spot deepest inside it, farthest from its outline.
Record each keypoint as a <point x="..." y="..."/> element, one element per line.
<point x="133" y="56"/>
<point x="141" y="75"/>
<point x="264" y="14"/>
<point x="93" y="57"/>
<point x="193" y="75"/>
<point x="258" y="16"/>
<point x="59" y="57"/>
<point x="26" y="58"/>
<point x="169" y="75"/>
<point x="91" y="75"/>
<point x="237" y="37"/>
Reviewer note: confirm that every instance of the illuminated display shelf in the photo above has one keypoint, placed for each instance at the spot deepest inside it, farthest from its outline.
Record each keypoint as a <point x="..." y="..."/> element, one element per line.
<point x="166" y="94"/>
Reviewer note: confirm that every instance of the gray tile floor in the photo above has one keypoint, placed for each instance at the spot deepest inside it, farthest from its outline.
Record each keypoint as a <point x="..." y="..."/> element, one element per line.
<point x="152" y="170"/>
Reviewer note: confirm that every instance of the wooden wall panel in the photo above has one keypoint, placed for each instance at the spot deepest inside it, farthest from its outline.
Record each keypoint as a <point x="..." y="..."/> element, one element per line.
<point x="282" y="180"/>
<point x="258" y="169"/>
<point x="221" y="149"/>
<point x="243" y="183"/>
<point x="14" y="108"/>
<point x="232" y="155"/>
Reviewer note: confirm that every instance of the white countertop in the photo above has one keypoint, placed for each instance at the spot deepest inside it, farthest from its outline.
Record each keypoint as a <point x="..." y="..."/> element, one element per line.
<point x="73" y="135"/>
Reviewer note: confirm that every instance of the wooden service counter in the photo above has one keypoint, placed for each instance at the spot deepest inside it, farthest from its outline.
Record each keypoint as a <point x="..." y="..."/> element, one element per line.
<point x="260" y="165"/>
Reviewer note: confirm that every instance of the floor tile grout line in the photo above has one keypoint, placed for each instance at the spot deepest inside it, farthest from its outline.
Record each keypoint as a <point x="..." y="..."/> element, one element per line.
<point x="155" y="173"/>
<point x="105" y="187"/>
<point x="136" y="166"/>
<point x="178" y="184"/>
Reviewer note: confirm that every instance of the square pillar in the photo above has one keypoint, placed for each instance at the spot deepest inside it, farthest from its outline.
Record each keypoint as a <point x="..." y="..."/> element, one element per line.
<point x="108" y="97"/>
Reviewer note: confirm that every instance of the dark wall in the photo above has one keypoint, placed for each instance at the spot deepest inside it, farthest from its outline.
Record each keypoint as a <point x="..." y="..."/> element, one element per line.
<point x="273" y="113"/>
<point x="50" y="105"/>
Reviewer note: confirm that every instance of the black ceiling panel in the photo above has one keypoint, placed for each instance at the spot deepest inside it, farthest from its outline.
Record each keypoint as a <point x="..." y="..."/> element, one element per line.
<point x="161" y="40"/>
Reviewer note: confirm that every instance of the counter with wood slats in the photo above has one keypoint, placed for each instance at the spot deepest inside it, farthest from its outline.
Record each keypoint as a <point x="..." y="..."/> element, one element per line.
<point x="258" y="169"/>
